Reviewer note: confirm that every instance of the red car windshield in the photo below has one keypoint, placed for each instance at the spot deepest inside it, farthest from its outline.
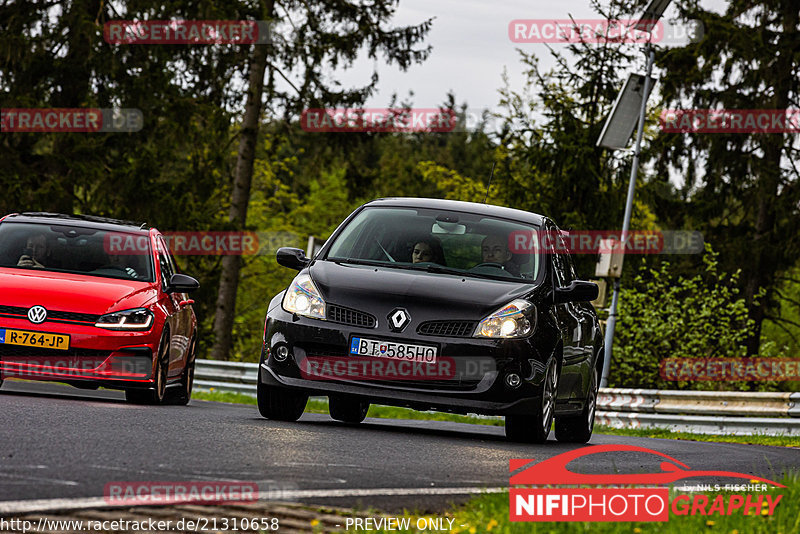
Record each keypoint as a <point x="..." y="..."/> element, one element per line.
<point x="73" y="249"/>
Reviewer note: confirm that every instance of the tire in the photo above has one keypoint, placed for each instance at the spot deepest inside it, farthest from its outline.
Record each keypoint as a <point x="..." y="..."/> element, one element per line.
<point x="578" y="428"/>
<point x="534" y="428"/>
<point x="180" y="396"/>
<point x="347" y="409"/>
<point x="158" y="393"/>
<point x="280" y="404"/>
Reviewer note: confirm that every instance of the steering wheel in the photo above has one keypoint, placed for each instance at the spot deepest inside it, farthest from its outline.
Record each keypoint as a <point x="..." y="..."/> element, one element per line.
<point x="490" y="264"/>
<point x="117" y="268"/>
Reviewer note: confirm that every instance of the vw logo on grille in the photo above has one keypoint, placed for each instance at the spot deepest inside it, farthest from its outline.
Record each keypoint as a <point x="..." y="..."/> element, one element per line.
<point x="398" y="319"/>
<point x="37" y="314"/>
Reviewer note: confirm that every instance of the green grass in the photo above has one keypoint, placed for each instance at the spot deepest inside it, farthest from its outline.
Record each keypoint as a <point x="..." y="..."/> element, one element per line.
<point x="489" y="514"/>
<point x="390" y="412"/>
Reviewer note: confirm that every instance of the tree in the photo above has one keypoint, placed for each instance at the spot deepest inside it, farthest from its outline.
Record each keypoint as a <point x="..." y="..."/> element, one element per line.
<point x="321" y="36"/>
<point x="548" y="160"/>
<point x="743" y="189"/>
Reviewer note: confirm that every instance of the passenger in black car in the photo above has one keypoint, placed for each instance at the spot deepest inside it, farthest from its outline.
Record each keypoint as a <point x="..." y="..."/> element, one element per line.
<point x="428" y="249"/>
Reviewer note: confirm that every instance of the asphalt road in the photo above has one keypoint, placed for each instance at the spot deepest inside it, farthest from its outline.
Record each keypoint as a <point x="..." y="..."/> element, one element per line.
<point x="61" y="442"/>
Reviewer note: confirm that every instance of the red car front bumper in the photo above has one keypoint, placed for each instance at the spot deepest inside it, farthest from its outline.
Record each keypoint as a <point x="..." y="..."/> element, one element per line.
<point x="110" y="357"/>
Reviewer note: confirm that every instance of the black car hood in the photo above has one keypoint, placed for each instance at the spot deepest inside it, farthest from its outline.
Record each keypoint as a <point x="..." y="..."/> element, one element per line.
<point x="379" y="290"/>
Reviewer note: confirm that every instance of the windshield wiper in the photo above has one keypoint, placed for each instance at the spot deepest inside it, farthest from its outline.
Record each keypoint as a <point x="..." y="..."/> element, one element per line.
<point x="439" y="269"/>
<point x="373" y="263"/>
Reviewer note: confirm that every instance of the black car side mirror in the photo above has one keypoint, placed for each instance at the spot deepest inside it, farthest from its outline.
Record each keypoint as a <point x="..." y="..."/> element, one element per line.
<point x="293" y="258"/>
<point x="180" y="283"/>
<point x="577" y="291"/>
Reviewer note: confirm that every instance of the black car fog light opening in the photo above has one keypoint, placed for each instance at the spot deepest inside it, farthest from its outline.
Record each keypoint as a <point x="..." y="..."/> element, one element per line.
<point x="281" y="353"/>
<point x="513" y="380"/>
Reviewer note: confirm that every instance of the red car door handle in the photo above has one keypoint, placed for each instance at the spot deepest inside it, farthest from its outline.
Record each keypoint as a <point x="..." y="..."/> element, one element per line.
<point x="186" y="302"/>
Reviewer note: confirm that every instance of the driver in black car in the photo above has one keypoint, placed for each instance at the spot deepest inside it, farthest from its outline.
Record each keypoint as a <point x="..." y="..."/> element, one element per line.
<point x="495" y="250"/>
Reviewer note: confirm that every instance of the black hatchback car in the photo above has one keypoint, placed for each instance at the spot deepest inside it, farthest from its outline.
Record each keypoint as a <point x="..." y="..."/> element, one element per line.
<point x="437" y="305"/>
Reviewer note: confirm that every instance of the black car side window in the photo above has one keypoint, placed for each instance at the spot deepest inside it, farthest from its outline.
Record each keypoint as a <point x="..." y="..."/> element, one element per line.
<point x="559" y="267"/>
<point x="167" y="269"/>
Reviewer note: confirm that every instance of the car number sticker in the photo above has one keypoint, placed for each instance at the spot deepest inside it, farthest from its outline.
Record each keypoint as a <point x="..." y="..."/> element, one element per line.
<point x="34" y="339"/>
<point x="378" y="348"/>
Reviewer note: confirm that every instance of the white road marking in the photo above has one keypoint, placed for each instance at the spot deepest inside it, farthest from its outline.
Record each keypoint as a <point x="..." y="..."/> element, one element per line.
<point x="40" y="479"/>
<point x="53" y="505"/>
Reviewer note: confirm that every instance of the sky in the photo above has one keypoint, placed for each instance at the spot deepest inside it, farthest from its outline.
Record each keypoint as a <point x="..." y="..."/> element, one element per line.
<point x="471" y="47"/>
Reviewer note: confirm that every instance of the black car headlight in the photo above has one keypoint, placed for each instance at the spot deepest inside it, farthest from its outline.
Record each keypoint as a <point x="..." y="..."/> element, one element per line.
<point x="516" y="319"/>
<point x="135" y="319"/>
<point x="303" y="298"/>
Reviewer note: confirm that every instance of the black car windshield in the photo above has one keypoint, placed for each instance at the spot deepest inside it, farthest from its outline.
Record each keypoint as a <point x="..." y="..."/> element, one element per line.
<point x="438" y="241"/>
<point x="73" y="249"/>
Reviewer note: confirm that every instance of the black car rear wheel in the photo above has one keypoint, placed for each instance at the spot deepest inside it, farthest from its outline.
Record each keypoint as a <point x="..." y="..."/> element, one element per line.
<point x="534" y="428"/>
<point x="578" y="428"/>
<point x="279" y="403"/>
<point x="347" y="409"/>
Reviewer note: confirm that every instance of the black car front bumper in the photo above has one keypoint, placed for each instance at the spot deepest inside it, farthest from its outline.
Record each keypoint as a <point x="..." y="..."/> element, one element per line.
<point x="479" y="385"/>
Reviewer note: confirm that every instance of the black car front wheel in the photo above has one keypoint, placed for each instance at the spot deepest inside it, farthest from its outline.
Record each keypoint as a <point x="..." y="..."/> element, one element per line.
<point x="279" y="403"/>
<point x="347" y="409"/>
<point x="535" y="427"/>
<point x="578" y="428"/>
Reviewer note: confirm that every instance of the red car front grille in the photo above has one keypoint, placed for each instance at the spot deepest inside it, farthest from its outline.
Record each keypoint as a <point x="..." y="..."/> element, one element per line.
<point x="52" y="315"/>
<point x="16" y="351"/>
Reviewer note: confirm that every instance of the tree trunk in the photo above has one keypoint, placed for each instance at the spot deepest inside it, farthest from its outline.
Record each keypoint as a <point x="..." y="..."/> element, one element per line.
<point x="240" y="197"/>
<point x="74" y="81"/>
<point x="762" y="271"/>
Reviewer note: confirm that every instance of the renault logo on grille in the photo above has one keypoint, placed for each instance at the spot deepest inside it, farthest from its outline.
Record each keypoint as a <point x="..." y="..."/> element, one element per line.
<point x="37" y="314"/>
<point x="398" y="319"/>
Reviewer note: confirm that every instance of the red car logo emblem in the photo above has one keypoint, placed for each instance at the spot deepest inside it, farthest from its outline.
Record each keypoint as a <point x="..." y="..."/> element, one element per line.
<point x="37" y="314"/>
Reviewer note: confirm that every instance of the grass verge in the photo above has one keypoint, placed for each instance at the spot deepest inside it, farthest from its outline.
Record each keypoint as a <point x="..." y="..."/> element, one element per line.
<point x="489" y="513"/>
<point x="390" y="412"/>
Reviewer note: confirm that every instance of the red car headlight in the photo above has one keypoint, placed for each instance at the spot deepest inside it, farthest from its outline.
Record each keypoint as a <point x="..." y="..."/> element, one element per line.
<point x="135" y="319"/>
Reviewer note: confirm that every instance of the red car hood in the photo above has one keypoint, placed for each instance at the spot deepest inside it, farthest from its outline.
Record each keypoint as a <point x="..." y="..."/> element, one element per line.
<point x="72" y="292"/>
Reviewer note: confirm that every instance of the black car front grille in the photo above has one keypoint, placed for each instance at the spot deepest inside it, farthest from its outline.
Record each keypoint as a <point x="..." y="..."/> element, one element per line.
<point x="52" y="315"/>
<point x="447" y="328"/>
<point x="339" y="314"/>
<point x="446" y="385"/>
<point x="322" y="351"/>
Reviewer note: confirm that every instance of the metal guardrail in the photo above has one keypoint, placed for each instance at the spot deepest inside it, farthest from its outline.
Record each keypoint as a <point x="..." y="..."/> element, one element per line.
<point x="700" y="412"/>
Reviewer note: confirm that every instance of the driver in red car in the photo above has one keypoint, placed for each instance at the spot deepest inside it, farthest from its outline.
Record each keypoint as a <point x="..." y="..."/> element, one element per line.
<point x="495" y="250"/>
<point x="35" y="252"/>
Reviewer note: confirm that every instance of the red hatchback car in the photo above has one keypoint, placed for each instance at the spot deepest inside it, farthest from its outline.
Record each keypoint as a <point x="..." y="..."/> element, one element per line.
<point x="95" y="302"/>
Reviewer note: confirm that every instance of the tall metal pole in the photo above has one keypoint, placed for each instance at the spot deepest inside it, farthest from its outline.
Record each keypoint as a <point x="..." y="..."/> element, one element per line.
<point x="626" y="223"/>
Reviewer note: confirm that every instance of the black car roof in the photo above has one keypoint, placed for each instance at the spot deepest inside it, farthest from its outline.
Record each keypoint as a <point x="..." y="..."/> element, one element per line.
<point x="458" y="205"/>
<point x="83" y="221"/>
